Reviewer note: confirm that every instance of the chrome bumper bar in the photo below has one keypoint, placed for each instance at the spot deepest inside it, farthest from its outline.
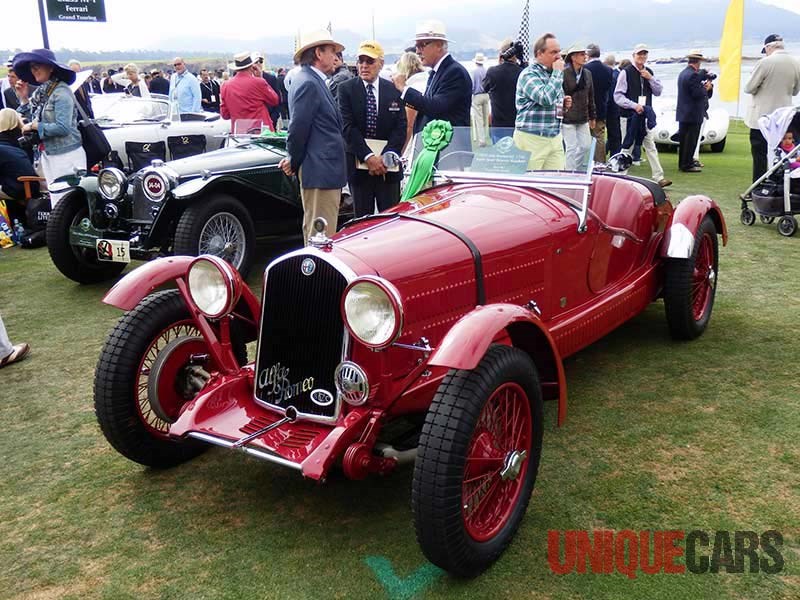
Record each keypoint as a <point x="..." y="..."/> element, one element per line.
<point x="263" y="455"/>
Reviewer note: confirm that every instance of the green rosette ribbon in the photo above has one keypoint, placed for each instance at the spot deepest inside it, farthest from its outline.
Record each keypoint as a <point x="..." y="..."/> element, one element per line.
<point x="435" y="137"/>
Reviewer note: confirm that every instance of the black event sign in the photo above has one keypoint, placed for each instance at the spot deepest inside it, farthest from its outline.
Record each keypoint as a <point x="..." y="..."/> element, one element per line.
<point x="91" y="11"/>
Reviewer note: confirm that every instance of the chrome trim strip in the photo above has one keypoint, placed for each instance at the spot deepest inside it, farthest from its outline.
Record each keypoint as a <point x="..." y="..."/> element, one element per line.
<point x="349" y="276"/>
<point x="216" y="441"/>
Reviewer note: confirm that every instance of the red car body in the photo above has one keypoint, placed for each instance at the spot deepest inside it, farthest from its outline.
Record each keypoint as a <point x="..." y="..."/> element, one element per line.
<point x="474" y="264"/>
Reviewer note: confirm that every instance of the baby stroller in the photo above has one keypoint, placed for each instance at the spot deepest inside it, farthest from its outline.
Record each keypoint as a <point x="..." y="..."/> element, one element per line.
<point x="777" y="193"/>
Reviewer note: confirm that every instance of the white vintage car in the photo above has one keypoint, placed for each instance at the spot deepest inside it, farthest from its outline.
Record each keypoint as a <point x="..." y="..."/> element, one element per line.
<point x="128" y="119"/>
<point x="714" y="132"/>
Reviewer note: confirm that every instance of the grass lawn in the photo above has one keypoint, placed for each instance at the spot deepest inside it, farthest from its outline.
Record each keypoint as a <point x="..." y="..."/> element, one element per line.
<point x="660" y="436"/>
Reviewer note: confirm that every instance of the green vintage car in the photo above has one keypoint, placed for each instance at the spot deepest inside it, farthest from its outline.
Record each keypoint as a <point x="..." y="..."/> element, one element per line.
<point x="214" y="203"/>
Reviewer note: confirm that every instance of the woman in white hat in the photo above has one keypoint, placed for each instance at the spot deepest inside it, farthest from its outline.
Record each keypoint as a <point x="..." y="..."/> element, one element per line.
<point x="579" y="118"/>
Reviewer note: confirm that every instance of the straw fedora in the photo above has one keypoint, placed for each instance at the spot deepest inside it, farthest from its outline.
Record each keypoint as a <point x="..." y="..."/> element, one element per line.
<point x="311" y="39"/>
<point x="696" y="54"/>
<point x="576" y="47"/>
<point x="241" y="61"/>
<point x="479" y="58"/>
<point x="431" y="30"/>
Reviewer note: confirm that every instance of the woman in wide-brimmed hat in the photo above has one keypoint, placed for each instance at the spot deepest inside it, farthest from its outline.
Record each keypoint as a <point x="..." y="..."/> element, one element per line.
<point x="52" y="114"/>
<point x="579" y="118"/>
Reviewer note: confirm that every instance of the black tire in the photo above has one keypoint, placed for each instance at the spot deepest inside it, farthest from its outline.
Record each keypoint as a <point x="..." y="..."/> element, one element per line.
<point x="719" y="146"/>
<point x="747" y="217"/>
<point x="690" y="285"/>
<point x="206" y="216"/>
<point x="121" y="401"/>
<point x="76" y="263"/>
<point x="787" y="226"/>
<point x="766" y="220"/>
<point x="440" y="471"/>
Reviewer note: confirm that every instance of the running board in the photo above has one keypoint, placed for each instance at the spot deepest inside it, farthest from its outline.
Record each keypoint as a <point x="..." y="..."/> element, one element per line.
<point x="216" y="441"/>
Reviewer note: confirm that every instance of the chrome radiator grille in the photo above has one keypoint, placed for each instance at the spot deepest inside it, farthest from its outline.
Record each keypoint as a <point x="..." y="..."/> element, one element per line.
<point x="302" y="336"/>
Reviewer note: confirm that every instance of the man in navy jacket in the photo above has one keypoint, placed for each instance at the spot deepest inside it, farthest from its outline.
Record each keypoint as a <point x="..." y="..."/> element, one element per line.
<point x="693" y="96"/>
<point x="315" y="144"/>
<point x="448" y="95"/>
<point x="371" y="182"/>
<point x="602" y="80"/>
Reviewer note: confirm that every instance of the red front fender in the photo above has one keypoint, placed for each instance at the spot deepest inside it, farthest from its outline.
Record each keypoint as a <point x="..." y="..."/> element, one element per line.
<point x="469" y="339"/>
<point x="140" y="282"/>
<point x="686" y="219"/>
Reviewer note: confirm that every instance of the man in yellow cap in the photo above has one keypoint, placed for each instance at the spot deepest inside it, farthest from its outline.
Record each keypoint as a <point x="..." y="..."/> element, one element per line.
<point x="374" y="131"/>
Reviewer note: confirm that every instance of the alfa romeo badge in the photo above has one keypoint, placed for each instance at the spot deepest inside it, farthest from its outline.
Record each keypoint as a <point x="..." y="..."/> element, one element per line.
<point x="308" y="267"/>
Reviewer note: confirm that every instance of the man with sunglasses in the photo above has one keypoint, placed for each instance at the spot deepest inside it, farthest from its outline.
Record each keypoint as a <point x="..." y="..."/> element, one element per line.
<point x="373" y="116"/>
<point x="448" y="95"/>
<point x="184" y="89"/>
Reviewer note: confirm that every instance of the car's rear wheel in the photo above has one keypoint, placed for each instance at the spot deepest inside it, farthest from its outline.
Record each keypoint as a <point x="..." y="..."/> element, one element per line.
<point x="719" y="146"/>
<point x="153" y="362"/>
<point x="477" y="462"/>
<point x="75" y="262"/>
<point x="219" y="225"/>
<point x="690" y="285"/>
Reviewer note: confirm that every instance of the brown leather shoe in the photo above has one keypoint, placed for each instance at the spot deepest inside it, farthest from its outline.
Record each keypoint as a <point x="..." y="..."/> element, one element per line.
<point x="18" y="352"/>
<point x="692" y="169"/>
<point x="664" y="183"/>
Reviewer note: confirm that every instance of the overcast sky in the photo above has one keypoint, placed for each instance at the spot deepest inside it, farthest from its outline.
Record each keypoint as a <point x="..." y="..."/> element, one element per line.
<point x="141" y="24"/>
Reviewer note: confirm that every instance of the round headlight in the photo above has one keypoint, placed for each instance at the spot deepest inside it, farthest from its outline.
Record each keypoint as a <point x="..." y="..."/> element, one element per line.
<point x="712" y="135"/>
<point x="111" y="183"/>
<point x="372" y="311"/>
<point x="154" y="186"/>
<point x="213" y="286"/>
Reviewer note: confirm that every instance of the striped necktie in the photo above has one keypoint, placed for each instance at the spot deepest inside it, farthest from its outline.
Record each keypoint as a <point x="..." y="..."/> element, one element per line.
<point x="372" y="113"/>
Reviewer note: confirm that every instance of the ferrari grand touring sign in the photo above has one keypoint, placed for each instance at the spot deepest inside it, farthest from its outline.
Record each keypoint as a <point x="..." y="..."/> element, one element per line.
<point x="93" y="11"/>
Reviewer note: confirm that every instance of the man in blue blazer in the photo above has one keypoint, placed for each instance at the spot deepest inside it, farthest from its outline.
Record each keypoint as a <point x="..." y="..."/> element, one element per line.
<point x="602" y="80"/>
<point x="693" y="94"/>
<point x="448" y="95"/>
<point x="372" y="110"/>
<point x="315" y="144"/>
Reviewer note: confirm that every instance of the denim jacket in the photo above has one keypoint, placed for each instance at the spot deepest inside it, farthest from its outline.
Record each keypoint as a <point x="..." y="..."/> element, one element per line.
<point x="58" y="118"/>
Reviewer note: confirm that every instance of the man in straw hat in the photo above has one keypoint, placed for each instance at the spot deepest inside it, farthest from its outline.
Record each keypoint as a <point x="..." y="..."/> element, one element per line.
<point x="245" y="96"/>
<point x="373" y="115"/>
<point x="315" y="144"/>
<point x="693" y="94"/>
<point x="448" y="95"/>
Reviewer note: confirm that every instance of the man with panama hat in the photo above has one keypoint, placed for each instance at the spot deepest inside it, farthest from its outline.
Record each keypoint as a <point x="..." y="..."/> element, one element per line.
<point x="373" y="115"/>
<point x="245" y="96"/>
<point x="693" y="94"/>
<point x="315" y="144"/>
<point x="448" y="95"/>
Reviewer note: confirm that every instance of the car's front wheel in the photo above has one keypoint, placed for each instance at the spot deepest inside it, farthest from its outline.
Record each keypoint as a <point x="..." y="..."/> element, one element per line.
<point x="75" y="262"/>
<point x="477" y="462"/>
<point x="691" y="284"/>
<point x="218" y="225"/>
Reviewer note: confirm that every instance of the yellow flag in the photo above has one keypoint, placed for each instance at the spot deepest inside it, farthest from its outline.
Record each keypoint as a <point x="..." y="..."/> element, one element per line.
<point x="730" y="53"/>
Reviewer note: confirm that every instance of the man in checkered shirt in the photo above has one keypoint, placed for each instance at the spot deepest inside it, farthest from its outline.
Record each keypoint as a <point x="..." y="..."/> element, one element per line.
<point x="540" y="105"/>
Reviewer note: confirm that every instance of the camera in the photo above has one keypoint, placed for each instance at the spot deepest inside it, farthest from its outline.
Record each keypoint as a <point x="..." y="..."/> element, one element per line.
<point x="28" y="141"/>
<point x="516" y="50"/>
<point x="706" y="75"/>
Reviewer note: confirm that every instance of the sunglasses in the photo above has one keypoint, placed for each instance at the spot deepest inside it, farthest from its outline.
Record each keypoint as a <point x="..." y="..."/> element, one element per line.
<point x="366" y="59"/>
<point x="421" y="45"/>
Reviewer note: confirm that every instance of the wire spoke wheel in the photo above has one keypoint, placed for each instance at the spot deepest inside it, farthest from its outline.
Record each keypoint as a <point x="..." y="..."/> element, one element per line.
<point x="477" y="462"/>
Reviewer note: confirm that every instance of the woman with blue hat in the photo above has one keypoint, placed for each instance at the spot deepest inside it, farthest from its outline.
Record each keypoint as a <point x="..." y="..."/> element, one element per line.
<point x="51" y="114"/>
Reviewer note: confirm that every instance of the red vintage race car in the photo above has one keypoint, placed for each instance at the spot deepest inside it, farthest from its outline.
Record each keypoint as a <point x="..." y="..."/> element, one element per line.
<point x="431" y="334"/>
